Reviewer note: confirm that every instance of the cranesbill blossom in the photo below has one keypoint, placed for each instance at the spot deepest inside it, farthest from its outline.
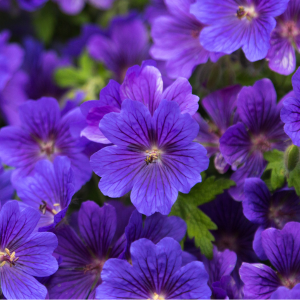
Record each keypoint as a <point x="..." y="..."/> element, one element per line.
<point x="126" y="43"/>
<point x="24" y="255"/>
<point x="74" y="7"/>
<point x="234" y="231"/>
<point x="143" y="84"/>
<point x="219" y="269"/>
<point x="268" y="210"/>
<point x="154" y="156"/>
<point x="6" y="188"/>
<point x="12" y="80"/>
<point x="155" y="273"/>
<point x="83" y="257"/>
<point x="290" y="113"/>
<point x="40" y="66"/>
<point x="282" y="248"/>
<point x="260" y="130"/>
<point x="221" y="108"/>
<point x="49" y="190"/>
<point x="43" y="134"/>
<point x="285" y="38"/>
<point x="176" y="40"/>
<point x="155" y="228"/>
<point x="234" y="24"/>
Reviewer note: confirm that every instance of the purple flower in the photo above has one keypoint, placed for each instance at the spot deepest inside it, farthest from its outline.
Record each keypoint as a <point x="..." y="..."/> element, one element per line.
<point x="76" y="45"/>
<point x="221" y="107"/>
<point x="282" y="249"/>
<point x="219" y="269"/>
<point x="290" y="113"/>
<point x="176" y="40"/>
<point x="154" y="156"/>
<point x="285" y="37"/>
<point x="260" y="130"/>
<point x="143" y="84"/>
<point x="234" y="231"/>
<point x="12" y="80"/>
<point x="49" y="190"/>
<point x="83" y="258"/>
<point x="155" y="228"/>
<point x="125" y="44"/>
<point x="234" y="24"/>
<point x="6" y="188"/>
<point x="43" y="134"/>
<point x="75" y="7"/>
<point x="40" y="66"/>
<point x="31" y="5"/>
<point x="268" y="210"/>
<point x="24" y="255"/>
<point x="155" y="273"/>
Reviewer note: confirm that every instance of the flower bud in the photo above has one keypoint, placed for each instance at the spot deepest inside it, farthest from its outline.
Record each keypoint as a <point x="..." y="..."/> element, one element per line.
<point x="291" y="157"/>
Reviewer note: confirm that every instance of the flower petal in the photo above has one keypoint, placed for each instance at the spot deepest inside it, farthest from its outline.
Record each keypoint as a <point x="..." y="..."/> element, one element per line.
<point x="260" y="281"/>
<point x="100" y="220"/>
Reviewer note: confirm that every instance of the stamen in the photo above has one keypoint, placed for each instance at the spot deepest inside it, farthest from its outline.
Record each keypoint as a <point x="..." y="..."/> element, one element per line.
<point x="8" y="257"/>
<point x="56" y="204"/>
<point x="152" y="156"/>
<point x="248" y="12"/>
<point x="54" y="211"/>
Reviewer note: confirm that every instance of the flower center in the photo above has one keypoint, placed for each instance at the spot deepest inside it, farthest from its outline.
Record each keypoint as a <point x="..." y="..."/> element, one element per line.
<point x="227" y="242"/>
<point x="195" y="33"/>
<point x="261" y="143"/>
<point x="7" y="257"/>
<point x="246" y="12"/>
<point x="289" y="282"/>
<point x="45" y="207"/>
<point x="47" y="148"/>
<point x="289" y="30"/>
<point x="152" y="155"/>
<point x="157" y="297"/>
<point x="95" y="267"/>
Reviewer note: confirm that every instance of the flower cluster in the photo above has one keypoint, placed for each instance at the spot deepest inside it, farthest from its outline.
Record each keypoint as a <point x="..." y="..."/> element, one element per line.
<point x="181" y="180"/>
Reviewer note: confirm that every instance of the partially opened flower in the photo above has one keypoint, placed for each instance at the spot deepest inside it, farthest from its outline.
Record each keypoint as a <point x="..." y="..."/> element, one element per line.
<point x="24" y="255"/>
<point x="155" y="273"/>
<point x="43" y="134"/>
<point x="143" y="84"/>
<point x="260" y="130"/>
<point x="290" y="113"/>
<point x="219" y="269"/>
<point x="268" y="210"/>
<point x="282" y="248"/>
<point x="285" y="39"/>
<point x="234" y="24"/>
<point x="31" y="5"/>
<point x="176" y="39"/>
<point x="221" y="108"/>
<point x="154" y="156"/>
<point x="49" y="190"/>
<point x="83" y="256"/>
<point x="126" y="43"/>
<point x="155" y="228"/>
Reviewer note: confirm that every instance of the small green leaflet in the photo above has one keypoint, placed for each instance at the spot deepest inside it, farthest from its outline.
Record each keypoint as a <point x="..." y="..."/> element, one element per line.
<point x="275" y="160"/>
<point x="199" y="224"/>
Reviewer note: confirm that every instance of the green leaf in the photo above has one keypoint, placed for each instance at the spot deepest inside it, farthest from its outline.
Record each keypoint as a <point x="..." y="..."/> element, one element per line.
<point x="86" y="65"/>
<point x="198" y="224"/>
<point x="69" y="77"/>
<point x="275" y="160"/>
<point x="207" y="190"/>
<point x="293" y="179"/>
<point x="44" y="21"/>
